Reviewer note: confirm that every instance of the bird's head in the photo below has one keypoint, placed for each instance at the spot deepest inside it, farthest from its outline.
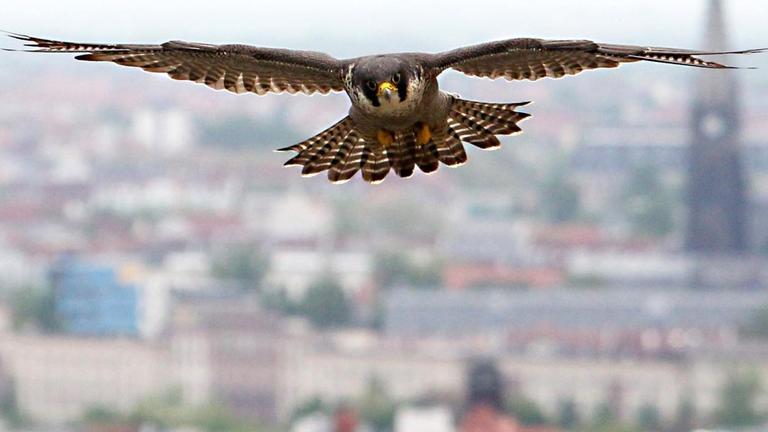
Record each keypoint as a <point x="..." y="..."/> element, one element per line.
<point x="384" y="83"/>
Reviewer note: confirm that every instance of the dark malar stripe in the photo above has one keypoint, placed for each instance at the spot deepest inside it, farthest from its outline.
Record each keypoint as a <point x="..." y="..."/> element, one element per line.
<point x="371" y="95"/>
<point x="402" y="88"/>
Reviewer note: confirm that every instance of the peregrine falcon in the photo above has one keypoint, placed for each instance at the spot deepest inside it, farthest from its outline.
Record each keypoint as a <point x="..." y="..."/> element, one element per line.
<point x="399" y="118"/>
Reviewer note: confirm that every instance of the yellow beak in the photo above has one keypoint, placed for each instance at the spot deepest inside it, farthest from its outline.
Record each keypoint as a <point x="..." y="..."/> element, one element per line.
<point x="386" y="87"/>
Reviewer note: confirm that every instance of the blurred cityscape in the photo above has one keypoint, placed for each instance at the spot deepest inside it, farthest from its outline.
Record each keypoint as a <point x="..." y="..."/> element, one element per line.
<point x="160" y="270"/>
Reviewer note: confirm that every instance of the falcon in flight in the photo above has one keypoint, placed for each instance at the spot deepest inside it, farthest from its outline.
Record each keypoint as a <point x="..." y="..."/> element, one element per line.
<point x="399" y="118"/>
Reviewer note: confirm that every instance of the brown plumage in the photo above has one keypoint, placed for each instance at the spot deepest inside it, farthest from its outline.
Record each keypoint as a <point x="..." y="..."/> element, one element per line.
<point x="393" y="96"/>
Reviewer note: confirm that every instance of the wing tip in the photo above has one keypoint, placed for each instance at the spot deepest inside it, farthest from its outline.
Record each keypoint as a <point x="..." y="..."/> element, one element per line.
<point x="286" y="149"/>
<point x="17" y="36"/>
<point x="86" y="57"/>
<point x="30" y="42"/>
<point x="744" y="52"/>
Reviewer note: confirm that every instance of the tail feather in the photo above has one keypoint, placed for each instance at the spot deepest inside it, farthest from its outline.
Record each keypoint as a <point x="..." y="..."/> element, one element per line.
<point x="309" y="148"/>
<point x="452" y="153"/>
<point x="348" y="159"/>
<point x="483" y="137"/>
<point x="444" y="143"/>
<point x="484" y="121"/>
<point x="402" y="154"/>
<point x="343" y="150"/>
<point x="376" y="165"/>
<point x="316" y="162"/>
<point x="427" y="157"/>
<point x="460" y="131"/>
<point x="467" y="133"/>
<point x="499" y="119"/>
<point x="323" y="159"/>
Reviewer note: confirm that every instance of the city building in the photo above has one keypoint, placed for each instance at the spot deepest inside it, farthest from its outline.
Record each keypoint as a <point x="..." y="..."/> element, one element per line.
<point x="342" y="368"/>
<point x="295" y="270"/>
<point x="227" y="349"/>
<point x="93" y="299"/>
<point x="413" y="314"/>
<point x="57" y="379"/>
<point x="486" y="249"/>
<point x="424" y="419"/>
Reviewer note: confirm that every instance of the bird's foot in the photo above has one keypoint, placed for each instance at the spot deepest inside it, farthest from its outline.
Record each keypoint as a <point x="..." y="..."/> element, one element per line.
<point x="385" y="138"/>
<point x="423" y="134"/>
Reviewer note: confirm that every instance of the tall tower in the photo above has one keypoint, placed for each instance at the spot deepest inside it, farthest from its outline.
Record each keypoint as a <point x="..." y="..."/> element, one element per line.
<point x="718" y="222"/>
<point x="485" y="385"/>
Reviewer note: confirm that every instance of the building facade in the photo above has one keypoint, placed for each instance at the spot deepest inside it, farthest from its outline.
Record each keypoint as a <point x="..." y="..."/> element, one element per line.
<point x="58" y="379"/>
<point x="92" y="299"/>
<point x="227" y="349"/>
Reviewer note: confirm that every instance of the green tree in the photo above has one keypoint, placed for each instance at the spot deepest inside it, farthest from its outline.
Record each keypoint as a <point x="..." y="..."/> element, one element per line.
<point x="648" y="204"/>
<point x="685" y="419"/>
<point x="278" y="300"/>
<point x="35" y="308"/>
<point x="163" y="411"/>
<point x="568" y="414"/>
<point x="326" y="305"/>
<point x="649" y="418"/>
<point x="245" y="264"/>
<point x="737" y="400"/>
<point x="526" y="411"/>
<point x="9" y="407"/>
<point x="167" y="411"/>
<point x="560" y="199"/>
<point x="216" y="418"/>
<point x="396" y="268"/>
<point x="309" y="407"/>
<point x="376" y="406"/>
<point x="605" y="414"/>
<point x="401" y="217"/>
<point x="103" y="416"/>
<point x="238" y="132"/>
<point x="610" y="427"/>
<point x="391" y="216"/>
<point x="757" y="324"/>
<point x="351" y="217"/>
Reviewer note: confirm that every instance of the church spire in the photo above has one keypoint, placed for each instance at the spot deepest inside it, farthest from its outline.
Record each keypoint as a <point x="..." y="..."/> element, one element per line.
<point x="718" y="218"/>
<point x="719" y="89"/>
<point x="715" y="37"/>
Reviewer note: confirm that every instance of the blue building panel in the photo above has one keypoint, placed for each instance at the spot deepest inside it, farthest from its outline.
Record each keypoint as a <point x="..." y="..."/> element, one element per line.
<point x="90" y="300"/>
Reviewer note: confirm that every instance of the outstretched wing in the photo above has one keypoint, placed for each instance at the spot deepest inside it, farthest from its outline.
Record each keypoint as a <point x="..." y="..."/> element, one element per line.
<point x="533" y="59"/>
<point x="237" y="68"/>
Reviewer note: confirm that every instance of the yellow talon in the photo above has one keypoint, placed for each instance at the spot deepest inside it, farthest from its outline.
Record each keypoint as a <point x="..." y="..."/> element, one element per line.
<point x="385" y="138"/>
<point x="424" y="135"/>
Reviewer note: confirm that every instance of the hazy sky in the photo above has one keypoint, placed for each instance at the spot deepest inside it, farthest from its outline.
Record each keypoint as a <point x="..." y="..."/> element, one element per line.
<point x="347" y="27"/>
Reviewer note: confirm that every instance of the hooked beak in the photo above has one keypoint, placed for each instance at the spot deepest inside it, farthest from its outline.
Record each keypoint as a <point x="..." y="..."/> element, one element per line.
<point x="386" y="89"/>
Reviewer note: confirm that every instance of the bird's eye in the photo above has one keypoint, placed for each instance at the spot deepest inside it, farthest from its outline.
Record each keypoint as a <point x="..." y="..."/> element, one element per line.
<point x="396" y="78"/>
<point x="371" y="85"/>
